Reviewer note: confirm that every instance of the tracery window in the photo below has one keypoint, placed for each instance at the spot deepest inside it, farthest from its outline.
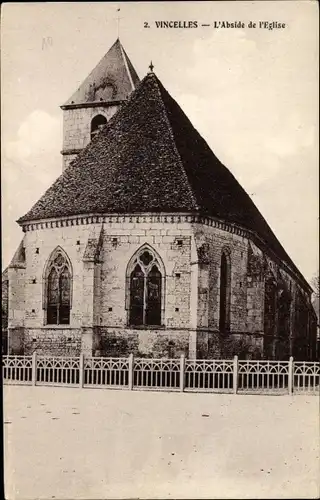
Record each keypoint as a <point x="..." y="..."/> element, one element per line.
<point x="145" y="282"/>
<point x="225" y="292"/>
<point x="58" y="279"/>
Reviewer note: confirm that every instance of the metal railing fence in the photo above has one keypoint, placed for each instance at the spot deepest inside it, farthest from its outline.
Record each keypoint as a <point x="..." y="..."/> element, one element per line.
<point x="226" y="376"/>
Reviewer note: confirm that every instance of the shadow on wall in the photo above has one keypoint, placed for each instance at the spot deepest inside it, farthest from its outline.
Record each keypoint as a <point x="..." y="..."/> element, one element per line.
<point x="118" y="346"/>
<point x="216" y="345"/>
<point x="4" y="341"/>
<point x="115" y="346"/>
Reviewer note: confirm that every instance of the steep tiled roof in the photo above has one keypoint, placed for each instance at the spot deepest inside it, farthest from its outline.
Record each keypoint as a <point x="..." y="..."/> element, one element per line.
<point x="113" y="79"/>
<point x="149" y="158"/>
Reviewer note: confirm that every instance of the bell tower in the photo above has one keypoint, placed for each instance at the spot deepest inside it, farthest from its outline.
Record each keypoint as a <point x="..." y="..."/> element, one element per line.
<point x="97" y="99"/>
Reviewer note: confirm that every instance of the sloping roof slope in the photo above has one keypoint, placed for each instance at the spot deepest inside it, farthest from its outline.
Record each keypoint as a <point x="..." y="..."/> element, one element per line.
<point x="19" y="258"/>
<point x="113" y="79"/>
<point x="149" y="158"/>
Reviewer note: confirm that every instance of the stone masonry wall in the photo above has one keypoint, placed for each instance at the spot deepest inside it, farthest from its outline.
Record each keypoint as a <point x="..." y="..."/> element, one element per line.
<point x="213" y="345"/>
<point x="121" y="240"/>
<point x="77" y="128"/>
<point x="4" y="300"/>
<point x="67" y="159"/>
<point x="250" y="267"/>
<point x="218" y="240"/>
<point x="172" y="243"/>
<point x="4" y="315"/>
<point x="255" y="289"/>
<point x="39" y="246"/>
<point x="153" y="343"/>
<point x="16" y="296"/>
<point x="190" y="319"/>
<point x="57" y="341"/>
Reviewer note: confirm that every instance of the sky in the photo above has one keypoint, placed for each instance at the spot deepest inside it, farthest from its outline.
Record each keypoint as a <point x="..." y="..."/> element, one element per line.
<point x="252" y="93"/>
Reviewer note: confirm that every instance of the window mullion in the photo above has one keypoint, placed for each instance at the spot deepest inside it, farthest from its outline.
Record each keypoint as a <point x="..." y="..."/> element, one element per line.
<point x="144" y="298"/>
<point x="59" y="300"/>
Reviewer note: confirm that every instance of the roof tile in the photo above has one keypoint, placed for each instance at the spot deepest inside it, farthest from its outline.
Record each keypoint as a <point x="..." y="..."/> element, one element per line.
<point x="149" y="158"/>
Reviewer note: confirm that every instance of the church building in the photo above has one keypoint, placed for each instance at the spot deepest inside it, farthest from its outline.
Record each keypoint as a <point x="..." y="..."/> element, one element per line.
<point x="147" y="244"/>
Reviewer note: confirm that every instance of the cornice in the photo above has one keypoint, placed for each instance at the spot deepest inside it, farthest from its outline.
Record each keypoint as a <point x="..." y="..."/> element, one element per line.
<point x="161" y="218"/>
<point x="75" y="151"/>
<point x="95" y="104"/>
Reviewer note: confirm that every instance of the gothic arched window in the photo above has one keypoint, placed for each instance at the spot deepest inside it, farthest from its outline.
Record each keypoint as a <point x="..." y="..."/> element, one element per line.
<point x="58" y="279"/>
<point x="145" y="282"/>
<point x="225" y="292"/>
<point x="97" y="124"/>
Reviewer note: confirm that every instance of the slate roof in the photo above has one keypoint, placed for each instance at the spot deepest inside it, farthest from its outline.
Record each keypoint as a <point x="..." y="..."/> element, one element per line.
<point x="113" y="79"/>
<point x="149" y="158"/>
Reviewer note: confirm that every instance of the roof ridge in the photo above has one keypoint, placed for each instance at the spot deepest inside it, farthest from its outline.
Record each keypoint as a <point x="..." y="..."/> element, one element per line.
<point x="91" y="72"/>
<point x="126" y="64"/>
<point x="171" y="134"/>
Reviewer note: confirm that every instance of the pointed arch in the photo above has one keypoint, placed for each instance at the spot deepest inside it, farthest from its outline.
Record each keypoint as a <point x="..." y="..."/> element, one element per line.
<point x="145" y="288"/>
<point x="140" y="251"/>
<point x="225" y="291"/>
<point x="97" y="123"/>
<point x="57" y="293"/>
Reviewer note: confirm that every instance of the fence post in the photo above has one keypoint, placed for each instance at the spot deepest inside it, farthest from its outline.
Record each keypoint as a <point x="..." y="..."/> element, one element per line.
<point x="34" y="368"/>
<point x="235" y="374"/>
<point x="290" y="376"/>
<point x="130" y="368"/>
<point x="81" y="370"/>
<point x="182" y="368"/>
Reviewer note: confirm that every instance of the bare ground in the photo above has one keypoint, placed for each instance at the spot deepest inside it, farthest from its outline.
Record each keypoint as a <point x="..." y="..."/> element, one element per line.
<point x="67" y="443"/>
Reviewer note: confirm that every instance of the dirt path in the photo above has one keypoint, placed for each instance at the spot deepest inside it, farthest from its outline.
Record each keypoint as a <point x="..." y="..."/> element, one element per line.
<point x="92" y="443"/>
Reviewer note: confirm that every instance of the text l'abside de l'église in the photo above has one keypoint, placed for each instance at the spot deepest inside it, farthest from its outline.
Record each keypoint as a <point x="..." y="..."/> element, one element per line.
<point x="216" y="24"/>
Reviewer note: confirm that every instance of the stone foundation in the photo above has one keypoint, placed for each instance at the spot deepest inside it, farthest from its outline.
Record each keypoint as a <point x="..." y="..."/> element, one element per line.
<point x="52" y="341"/>
<point x="16" y="340"/>
<point x="148" y="343"/>
<point x="100" y="341"/>
<point x="216" y="345"/>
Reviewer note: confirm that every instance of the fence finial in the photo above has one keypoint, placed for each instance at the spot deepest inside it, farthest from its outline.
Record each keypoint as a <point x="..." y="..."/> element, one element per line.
<point x="182" y="370"/>
<point x="235" y="374"/>
<point x="34" y="368"/>
<point x="130" y="372"/>
<point x="290" y="376"/>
